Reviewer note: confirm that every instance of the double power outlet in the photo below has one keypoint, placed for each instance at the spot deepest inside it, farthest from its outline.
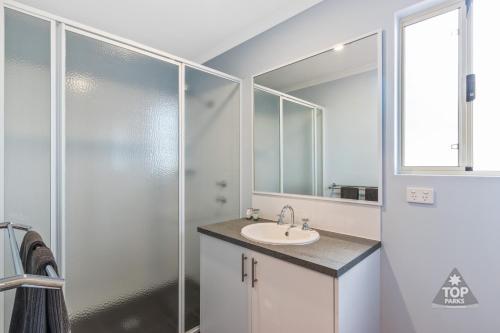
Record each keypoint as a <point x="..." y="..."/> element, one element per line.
<point x="423" y="195"/>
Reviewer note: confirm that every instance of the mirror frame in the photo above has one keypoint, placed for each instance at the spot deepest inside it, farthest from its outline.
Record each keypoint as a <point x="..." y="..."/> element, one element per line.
<point x="380" y="111"/>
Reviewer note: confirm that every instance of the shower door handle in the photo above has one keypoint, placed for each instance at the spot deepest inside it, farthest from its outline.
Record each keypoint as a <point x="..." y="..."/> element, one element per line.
<point x="243" y="274"/>
<point x="254" y="279"/>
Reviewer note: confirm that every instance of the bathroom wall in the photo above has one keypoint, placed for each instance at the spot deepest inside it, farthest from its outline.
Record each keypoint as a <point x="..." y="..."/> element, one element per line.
<point x="421" y="244"/>
<point x="350" y="136"/>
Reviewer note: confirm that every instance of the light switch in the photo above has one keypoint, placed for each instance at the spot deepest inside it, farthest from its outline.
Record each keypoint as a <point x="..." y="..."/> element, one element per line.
<point x="423" y="195"/>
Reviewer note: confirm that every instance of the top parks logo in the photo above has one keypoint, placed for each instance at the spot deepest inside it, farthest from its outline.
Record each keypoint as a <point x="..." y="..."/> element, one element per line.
<point x="455" y="293"/>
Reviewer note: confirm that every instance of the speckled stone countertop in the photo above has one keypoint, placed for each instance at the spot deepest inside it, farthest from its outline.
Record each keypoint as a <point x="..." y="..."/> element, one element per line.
<point x="333" y="254"/>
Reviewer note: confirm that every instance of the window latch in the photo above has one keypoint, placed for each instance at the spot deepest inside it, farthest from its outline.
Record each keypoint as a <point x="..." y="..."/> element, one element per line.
<point x="471" y="87"/>
<point x="454" y="146"/>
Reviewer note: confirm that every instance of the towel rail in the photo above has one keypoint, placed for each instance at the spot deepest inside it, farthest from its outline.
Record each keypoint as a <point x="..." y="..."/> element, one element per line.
<point x="20" y="279"/>
<point x="14" y="250"/>
<point x="334" y="186"/>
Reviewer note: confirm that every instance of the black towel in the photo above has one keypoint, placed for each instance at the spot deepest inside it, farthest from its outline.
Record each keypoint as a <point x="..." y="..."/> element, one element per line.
<point x="349" y="192"/>
<point x="38" y="310"/>
<point x="371" y="194"/>
<point x="31" y="241"/>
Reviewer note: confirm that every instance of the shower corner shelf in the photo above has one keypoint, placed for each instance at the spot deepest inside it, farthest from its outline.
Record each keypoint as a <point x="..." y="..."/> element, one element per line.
<point x="20" y="279"/>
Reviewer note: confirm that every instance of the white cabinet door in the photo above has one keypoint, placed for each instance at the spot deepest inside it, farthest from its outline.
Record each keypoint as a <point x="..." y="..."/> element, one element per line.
<point x="289" y="298"/>
<point x="224" y="289"/>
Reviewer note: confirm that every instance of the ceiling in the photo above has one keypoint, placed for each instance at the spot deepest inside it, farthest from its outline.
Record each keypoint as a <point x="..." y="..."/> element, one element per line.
<point x="356" y="57"/>
<point x="197" y="30"/>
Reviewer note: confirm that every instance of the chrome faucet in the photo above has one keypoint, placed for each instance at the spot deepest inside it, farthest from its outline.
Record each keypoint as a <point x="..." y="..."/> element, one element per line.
<point x="281" y="216"/>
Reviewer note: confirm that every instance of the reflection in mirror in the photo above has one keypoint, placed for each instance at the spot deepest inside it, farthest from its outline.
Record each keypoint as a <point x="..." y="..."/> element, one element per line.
<point x="316" y="124"/>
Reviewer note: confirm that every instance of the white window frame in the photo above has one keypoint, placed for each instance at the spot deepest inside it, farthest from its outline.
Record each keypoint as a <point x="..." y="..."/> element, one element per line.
<point x="403" y="20"/>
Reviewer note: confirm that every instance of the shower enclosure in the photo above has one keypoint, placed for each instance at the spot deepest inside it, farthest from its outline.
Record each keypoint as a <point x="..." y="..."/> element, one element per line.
<point x="115" y="153"/>
<point x="288" y="144"/>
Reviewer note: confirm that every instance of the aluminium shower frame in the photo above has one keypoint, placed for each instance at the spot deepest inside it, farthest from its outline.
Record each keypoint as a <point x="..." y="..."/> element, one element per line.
<point x="58" y="27"/>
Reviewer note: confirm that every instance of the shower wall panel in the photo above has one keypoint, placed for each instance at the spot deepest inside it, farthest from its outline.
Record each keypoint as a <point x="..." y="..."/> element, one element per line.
<point x="212" y="160"/>
<point x="122" y="169"/>
<point x="27" y="129"/>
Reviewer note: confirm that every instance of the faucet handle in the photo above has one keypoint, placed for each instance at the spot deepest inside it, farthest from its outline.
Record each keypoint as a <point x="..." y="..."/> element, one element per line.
<point x="305" y="224"/>
<point x="280" y="218"/>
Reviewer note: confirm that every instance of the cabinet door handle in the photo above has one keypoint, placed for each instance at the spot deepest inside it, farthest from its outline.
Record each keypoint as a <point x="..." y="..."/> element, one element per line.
<point x="254" y="279"/>
<point x="243" y="274"/>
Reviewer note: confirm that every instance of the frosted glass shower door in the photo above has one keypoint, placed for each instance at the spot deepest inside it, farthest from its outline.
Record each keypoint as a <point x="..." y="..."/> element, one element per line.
<point x="298" y="148"/>
<point x="121" y="188"/>
<point x="266" y="140"/>
<point x="27" y="130"/>
<point x="212" y="162"/>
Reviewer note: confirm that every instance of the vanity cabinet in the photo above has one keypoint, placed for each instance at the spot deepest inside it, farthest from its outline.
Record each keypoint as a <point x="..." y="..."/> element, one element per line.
<point x="289" y="298"/>
<point x="245" y="291"/>
<point x="283" y="297"/>
<point x="224" y="287"/>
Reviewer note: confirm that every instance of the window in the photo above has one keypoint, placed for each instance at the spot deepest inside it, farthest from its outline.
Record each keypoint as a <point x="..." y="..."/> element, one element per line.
<point x="445" y="54"/>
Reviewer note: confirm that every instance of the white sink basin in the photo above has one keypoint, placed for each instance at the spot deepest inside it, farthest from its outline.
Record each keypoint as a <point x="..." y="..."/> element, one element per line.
<point x="275" y="234"/>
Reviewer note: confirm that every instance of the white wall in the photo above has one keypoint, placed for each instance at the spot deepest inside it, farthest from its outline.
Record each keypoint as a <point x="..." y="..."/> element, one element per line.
<point x="421" y="244"/>
<point x="350" y="123"/>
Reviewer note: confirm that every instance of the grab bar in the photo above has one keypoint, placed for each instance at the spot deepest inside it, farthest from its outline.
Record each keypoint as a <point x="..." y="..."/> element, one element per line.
<point x="20" y="279"/>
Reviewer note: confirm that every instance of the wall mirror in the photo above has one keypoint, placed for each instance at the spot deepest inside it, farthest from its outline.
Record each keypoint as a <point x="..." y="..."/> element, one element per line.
<point x="317" y="124"/>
